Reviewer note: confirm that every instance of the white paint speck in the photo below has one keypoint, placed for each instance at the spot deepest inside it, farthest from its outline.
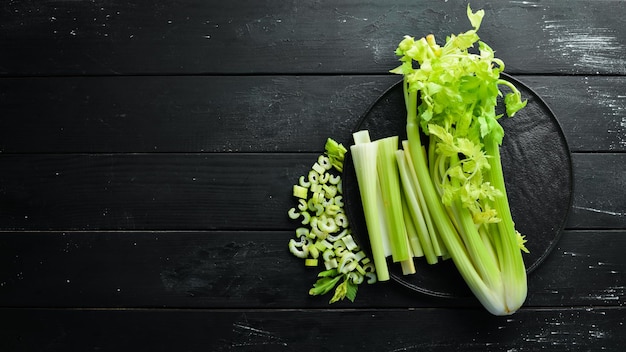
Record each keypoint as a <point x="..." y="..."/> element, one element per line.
<point x="601" y="211"/>
<point x="597" y="334"/>
<point x="525" y="3"/>
<point x="613" y="108"/>
<point x="589" y="47"/>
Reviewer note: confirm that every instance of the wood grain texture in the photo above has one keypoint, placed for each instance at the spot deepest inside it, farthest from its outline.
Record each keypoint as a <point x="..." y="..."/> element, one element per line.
<point x="147" y="151"/>
<point x="182" y="113"/>
<point x="148" y="191"/>
<point x="313" y="330"/>
<point x="594" y="192"/>
<point x="591" y="110"/>
<point x="253" y="269"/>
<point x="199" y="37"/>
<point x="251" y="113"/>
<point x="225" y="191"/>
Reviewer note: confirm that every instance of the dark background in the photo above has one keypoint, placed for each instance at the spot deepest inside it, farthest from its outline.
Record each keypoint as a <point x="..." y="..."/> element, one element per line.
<point x="148" y="150"/>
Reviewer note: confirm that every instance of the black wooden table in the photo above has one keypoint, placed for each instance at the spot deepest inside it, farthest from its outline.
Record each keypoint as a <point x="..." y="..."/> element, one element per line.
<point x="148" y="151"/>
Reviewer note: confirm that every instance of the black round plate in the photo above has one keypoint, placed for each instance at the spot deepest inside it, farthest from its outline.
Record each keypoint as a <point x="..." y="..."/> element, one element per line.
<point x="537" y="172"/>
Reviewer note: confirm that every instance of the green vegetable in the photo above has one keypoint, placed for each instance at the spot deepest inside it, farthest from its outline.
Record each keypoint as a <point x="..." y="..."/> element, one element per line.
<point x="364" y="157"/>
<point x="328" y="279"/>
<point x="387" y="169"/>
<point x="326" y="282"/>
<point x="326" y="237"/>
<point x="347" y="289"/>
<point x="413" y="210"/>
<point x="336" y="153"/>
<point x="460" y="175"/>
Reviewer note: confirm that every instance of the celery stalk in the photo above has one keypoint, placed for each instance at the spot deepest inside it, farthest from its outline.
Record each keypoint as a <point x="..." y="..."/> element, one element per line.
<point x="392" y="200"/>
<point x="435" y="241"/>
<point x="364" y="155"/>
<point x="511" y="261"/>
<point x="411" y="230"/>
<point x="408" y="266"/>
<point x="415" y="209"/>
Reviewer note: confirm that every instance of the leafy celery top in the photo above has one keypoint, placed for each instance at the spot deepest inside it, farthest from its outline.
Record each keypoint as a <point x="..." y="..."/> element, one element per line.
<point x="458" y="91"/>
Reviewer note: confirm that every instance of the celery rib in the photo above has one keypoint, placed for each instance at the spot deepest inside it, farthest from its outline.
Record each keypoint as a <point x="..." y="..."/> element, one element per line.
<point x="364" y="160"/>
<point x="413" y="206"/>
<point x="512" y="263"/>
<point x="390" y="190"/>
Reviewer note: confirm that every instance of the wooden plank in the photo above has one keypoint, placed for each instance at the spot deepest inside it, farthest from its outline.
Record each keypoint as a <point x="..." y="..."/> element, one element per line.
<point x="111" y="38"/>
<point x="223" y="114"/>
<point x="240" y="191"/>
<point x="148" y="191"/>
<point x="599" y="200"/>
<point x="591" y="110"/>
<point x="584" y="269"/>
<point x="313" y="330"/>
<point x="217" y="269"/>
<point x="182" y="113"/>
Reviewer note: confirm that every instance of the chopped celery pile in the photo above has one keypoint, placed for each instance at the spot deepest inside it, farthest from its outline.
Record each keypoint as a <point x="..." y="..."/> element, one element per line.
<point x="445" y="197"/>
<point x="324" y="237"/>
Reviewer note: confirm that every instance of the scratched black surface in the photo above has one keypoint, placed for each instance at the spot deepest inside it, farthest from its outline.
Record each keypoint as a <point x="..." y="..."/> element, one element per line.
<point x="147" y="151"/>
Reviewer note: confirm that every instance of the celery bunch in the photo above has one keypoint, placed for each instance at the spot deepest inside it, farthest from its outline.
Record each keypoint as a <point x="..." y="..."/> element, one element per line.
<point x="453" y="186"/>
